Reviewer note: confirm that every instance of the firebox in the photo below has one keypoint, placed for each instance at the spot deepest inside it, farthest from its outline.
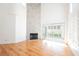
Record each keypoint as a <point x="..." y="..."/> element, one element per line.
<point x="33" y="36"/>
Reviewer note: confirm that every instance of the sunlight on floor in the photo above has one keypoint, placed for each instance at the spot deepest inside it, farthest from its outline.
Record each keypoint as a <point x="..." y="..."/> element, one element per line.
<point x="55" y="45"/>
<point x="49" y="43"/>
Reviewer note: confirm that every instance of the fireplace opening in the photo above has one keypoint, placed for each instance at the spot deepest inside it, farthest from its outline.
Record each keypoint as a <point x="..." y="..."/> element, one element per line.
<point x="33" y="36"/>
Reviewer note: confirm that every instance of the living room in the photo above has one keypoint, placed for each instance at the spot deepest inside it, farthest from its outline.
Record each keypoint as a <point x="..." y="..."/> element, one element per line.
<point x="39" y="29"/>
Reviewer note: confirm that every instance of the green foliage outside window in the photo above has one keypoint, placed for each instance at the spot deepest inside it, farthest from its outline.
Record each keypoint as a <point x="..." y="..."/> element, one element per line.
<point x="55" y="34"/>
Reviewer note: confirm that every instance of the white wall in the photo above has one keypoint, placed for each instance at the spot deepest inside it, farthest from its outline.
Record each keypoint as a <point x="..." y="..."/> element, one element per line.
<point x="7" y="23"/>
<point x="33" y="19"/>
<point x="12" y="22"/>
<point x="20" y="22"/>
<point x="66" y="21"/>
<point x="73" y="26"/>
<point x="52" y="13"/>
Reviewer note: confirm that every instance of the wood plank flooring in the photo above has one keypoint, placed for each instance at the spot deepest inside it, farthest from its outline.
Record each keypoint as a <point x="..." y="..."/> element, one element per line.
<point x="34" y="48"/>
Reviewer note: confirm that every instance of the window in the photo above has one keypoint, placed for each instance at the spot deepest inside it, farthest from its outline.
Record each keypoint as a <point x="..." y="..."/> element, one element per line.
<point x="54" y="31"/>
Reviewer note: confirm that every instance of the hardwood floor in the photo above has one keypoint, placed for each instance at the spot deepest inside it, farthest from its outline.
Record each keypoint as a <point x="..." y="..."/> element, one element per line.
<point x="35" y="48"/>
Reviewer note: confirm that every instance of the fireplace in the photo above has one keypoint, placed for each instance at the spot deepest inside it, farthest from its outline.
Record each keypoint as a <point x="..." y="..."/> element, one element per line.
<point x="33" y="36"/>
